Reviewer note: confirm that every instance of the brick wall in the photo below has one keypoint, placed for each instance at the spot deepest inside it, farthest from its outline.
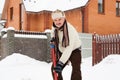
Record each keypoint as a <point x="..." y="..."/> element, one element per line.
<point x="16" y="14"/>
<point x="105" y="23"/>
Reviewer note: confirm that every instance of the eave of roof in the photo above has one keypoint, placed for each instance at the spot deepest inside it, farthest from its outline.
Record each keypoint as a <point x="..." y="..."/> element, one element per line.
<point x="51" y="5"/>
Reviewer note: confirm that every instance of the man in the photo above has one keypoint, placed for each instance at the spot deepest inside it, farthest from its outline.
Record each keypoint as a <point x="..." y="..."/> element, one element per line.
<point x="67" y="41"/>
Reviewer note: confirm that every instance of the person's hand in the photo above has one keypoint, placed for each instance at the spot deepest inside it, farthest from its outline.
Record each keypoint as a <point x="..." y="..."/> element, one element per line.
<point x="52" y="43"/>
<point x="59" y="67"/>
<point x="52" y="40"/>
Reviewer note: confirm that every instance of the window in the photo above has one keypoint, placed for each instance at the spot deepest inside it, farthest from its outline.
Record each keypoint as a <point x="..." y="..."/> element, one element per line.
<point x="100" y="6"/>
<point x="118" y="8"/>
<point x="11" y="13"/>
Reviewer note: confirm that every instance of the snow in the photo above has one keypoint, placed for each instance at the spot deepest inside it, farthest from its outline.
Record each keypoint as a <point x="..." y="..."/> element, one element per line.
<point x="22" y="67"/>
<point x="4" y="30"/>
<point x="39" y="5"/>
<point x="28" y="36"/>
<point x="2" y="21"/>
<point x="48" y="31"/>
<point x="10" y="28"/>
<point x="24" y="35"/>
<point x="1" y="5"/>
<point x="31" y="36"/>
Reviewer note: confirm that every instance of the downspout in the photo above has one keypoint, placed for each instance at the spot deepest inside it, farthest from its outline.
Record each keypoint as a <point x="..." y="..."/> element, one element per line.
<point x="21" y="15"/>
<point x="45" y="20"/>
<point x="28" y="22"/>
<point x="82" y="11"/>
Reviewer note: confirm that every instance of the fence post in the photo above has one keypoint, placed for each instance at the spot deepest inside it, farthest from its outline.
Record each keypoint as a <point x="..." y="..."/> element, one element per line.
<point x="102" y="45"/>
<point x="119" y="42"/>
<point x="103" y="40"/>
<point x="116" y="43"/>
<point x="108" y="44"/>
<point x="10" y="40"/>
<point x="93" y="49"/>
<point x="100" y="48"/>
<point x="7" y="45"/>
<point x="3" y="32"/>
<point x="97" y="58"/>
<point x="10" y="36"/>
<point x="48" y="47"/>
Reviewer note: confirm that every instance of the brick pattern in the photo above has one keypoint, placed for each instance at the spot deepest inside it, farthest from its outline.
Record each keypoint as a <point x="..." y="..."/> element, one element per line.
<point x="85" y="19"/>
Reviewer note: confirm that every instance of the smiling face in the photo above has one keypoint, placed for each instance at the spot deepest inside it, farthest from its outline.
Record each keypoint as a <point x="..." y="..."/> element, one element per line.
<point x="59" y="21"/>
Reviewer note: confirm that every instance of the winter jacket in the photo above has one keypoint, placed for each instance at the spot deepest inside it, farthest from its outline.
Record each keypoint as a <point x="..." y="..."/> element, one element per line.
<point x="74" y="42"/>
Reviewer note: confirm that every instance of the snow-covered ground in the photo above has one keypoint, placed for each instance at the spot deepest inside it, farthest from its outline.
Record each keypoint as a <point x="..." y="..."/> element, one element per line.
<point x="22" y="67"/>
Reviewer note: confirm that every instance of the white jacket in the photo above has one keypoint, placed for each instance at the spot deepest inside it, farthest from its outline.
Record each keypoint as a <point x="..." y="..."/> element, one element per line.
<point x="74" y="42"/>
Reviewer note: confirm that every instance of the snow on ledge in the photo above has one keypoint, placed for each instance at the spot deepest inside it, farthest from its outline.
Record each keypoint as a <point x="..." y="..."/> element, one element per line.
<point x="6" y="29"/>
<point x="28" y="36"/>
<point x="10" y="28"/>
<point x="47" y="30"/>
<point x="24" y="35"/>
<point x="31" y="36"/>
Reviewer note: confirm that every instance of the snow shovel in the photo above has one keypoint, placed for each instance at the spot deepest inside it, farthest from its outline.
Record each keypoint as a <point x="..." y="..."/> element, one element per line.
<point x="53" y="55"/>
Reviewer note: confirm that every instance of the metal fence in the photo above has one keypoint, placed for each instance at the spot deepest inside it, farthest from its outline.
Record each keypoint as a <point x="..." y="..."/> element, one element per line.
<point x="103" y="45"/>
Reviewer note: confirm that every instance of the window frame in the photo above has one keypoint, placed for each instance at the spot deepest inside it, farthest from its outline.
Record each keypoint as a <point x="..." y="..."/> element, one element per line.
<point x="118" y="8"/>
<point x="101" y="6"/>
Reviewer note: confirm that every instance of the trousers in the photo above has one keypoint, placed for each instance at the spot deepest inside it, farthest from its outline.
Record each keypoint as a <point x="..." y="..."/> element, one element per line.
<point x="75" y="60"/>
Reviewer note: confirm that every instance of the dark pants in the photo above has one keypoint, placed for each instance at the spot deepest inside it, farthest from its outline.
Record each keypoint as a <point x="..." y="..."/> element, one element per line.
<point x="75" y="59"/>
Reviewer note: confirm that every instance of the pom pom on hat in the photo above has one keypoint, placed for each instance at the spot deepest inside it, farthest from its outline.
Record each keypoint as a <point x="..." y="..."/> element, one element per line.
<point x="57" y="14"/>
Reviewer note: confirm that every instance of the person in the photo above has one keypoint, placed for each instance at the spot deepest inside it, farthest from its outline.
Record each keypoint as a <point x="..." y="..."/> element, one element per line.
<point x="68" y="44"/>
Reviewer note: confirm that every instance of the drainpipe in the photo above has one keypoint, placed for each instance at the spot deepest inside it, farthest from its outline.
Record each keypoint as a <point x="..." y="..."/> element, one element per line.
<point x="21" y="16"/>
<point x="82" y="11"/>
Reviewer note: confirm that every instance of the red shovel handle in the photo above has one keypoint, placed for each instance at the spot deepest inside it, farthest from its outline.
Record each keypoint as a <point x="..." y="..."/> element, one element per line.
<point x="53" y="54"/>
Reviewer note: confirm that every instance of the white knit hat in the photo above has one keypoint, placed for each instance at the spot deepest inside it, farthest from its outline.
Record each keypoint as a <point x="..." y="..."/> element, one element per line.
<point x="57" y="14"/>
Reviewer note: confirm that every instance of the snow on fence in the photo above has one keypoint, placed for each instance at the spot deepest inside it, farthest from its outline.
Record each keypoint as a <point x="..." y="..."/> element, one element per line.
<point x="103" y="45"/>
<point x="33" y="44"/>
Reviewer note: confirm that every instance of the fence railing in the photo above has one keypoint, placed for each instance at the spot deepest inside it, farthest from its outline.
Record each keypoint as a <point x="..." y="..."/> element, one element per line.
<point x="30" y="32"/>
<point x="103" y="45"/>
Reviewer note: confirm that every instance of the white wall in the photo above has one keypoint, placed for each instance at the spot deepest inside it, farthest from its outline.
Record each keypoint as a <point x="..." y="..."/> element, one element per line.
<point x="86" y="49"/>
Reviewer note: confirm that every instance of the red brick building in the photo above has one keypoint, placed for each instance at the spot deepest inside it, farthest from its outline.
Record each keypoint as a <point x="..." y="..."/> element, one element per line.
<point x="100" y="16"/>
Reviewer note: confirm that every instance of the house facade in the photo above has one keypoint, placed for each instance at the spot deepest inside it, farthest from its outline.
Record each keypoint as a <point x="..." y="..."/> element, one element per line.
<point x="100" y="16"/>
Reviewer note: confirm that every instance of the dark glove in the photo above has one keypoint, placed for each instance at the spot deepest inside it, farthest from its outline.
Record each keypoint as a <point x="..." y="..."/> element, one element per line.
<point x="59" y="67"/>
<point x="52" y="44"/>
<point x="52" y="40"/>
